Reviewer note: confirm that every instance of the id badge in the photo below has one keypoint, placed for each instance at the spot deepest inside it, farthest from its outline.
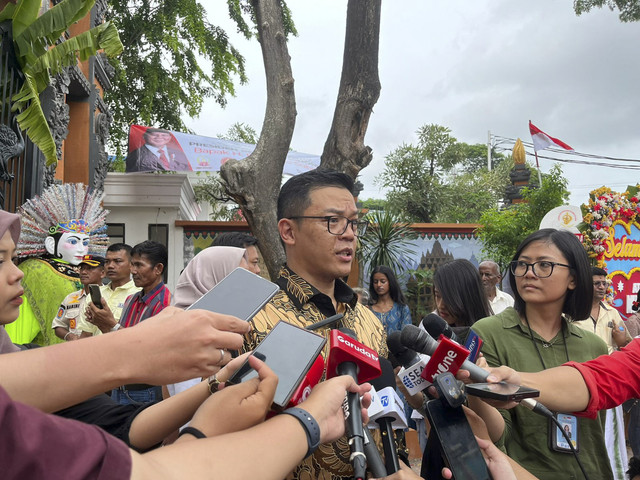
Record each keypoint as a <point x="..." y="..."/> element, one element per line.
<point x="557" y="441"/>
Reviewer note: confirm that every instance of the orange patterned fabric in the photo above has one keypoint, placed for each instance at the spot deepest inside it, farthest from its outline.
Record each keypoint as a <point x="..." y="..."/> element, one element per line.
<point x="299" y="303"/>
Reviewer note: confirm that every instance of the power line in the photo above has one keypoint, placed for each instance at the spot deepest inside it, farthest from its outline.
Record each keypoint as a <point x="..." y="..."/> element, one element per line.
<point x="506" y="140"/>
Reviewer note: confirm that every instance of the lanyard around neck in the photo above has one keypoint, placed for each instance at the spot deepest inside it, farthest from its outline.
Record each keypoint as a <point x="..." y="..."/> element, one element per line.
<point x="535" y="345"/>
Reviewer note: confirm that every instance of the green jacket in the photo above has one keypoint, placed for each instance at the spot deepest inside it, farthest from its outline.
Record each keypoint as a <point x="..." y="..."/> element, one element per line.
<point x="525" y="439"/>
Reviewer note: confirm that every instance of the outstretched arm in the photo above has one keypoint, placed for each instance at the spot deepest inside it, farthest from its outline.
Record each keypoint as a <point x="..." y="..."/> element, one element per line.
<point x="269" y="450"/>
<point x="172" y="346"/>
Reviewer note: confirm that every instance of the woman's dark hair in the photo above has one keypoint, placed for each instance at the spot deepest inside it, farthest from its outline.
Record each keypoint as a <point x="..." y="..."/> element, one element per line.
<point x="460" y="287"/>
<point x="394" y="287"/>
<point x="577" y="303"/>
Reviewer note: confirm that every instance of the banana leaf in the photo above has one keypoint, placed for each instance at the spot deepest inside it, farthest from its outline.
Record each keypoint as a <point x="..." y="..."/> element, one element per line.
<point x="7" y="12"/>
<point x="53" y="61"/>
<point x="23" y="15"/>
<point x="34" y="38"/>
<point x="32" y="120"/>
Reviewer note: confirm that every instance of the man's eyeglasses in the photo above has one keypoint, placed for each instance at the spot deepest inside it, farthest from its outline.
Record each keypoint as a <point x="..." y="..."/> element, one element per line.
<point x="337" y="225"/>
<point x="542" y="269"/>
<point x="600" y="283"/>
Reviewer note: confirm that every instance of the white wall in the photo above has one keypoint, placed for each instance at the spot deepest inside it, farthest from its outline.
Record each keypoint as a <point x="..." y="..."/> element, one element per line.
<point x="141" y="199"/>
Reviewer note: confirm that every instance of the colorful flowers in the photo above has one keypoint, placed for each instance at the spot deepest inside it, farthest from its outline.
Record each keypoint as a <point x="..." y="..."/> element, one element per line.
<point x="602" y="210"/>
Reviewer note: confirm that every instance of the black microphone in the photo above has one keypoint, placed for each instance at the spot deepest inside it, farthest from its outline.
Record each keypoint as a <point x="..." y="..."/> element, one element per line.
<point x="435" y="325"/>
<point x="387" y="379"/>
<point x="404" y="355"/>
<point x="417" y="339"/>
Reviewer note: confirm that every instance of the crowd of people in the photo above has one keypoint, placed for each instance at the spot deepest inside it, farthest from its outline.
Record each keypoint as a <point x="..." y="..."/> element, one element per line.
<point x="166" y="368"/>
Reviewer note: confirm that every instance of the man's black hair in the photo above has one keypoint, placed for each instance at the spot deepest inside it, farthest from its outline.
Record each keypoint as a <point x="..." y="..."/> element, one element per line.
<point x="234" y="239"/>
<point x="154" y="251"/>
<point x="116" y="247"/>
<point x="294" y="196"/>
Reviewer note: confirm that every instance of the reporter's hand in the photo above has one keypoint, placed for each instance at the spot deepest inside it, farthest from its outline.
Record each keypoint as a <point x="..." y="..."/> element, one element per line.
<point x="177" y="345"/>
<point x="101" y="317"/>
<point x="325" y="405"/>
<point x="238" y="407"/>
<point x="497" y="462"/>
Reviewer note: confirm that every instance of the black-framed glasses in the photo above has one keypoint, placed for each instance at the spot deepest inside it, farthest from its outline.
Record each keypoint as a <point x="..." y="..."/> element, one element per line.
<point x="337" y="224"/>
<point x="541" y="269"/>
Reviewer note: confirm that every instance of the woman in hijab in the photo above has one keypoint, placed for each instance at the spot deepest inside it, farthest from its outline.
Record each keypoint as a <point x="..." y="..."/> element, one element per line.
<point x="10" y="288"/>
<point x="205" y="271"/>
<point x="201" y="274"/>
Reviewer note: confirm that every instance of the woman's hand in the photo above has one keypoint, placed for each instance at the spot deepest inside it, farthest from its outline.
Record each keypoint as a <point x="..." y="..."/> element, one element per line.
<point x="497" y="462"/>
<point x="238" y="407"/>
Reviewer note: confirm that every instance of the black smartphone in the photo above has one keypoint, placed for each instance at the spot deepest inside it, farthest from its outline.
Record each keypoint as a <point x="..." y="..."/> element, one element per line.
<point x="96" y="296"/>
<point x="506" y="392"/>
<point x="241" y="294"/>
<point x="459" y="446"/>
<point x="289" y="351"/>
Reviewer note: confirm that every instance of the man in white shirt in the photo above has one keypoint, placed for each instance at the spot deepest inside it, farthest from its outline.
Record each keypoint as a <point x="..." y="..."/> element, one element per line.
<point x="490" y="274"/>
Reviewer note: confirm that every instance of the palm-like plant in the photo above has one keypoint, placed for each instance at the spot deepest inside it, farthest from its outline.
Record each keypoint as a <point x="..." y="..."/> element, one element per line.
<point x="385" y="242"/>
<point x="39" y="56"/>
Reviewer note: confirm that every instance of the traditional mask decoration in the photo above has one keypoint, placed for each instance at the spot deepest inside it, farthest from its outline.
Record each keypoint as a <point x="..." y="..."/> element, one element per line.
<point x="66" y="222"/>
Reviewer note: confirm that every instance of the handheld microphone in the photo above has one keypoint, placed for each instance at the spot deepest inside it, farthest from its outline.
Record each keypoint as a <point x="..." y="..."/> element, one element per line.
<point x="327" y="322"/>
<point x="392" y="414"/>
<point x="435" y="326"/>
<point x="420" y="341"/>
<point x="405" y="356"/>
<point x="415" y="338"/>
<point x="347" y="356"/>
<point x="412" y="364"/>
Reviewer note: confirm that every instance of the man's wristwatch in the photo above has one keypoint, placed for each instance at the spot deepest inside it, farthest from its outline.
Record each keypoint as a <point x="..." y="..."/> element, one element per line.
<point x="117" y="326"/>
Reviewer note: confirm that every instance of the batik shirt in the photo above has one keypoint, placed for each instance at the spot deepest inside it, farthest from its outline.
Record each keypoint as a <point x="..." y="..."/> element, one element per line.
<point x="299" y="303"/>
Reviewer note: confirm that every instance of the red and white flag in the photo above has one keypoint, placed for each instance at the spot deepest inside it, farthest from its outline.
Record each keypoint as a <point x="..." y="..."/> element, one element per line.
<point x="541" y="140"/>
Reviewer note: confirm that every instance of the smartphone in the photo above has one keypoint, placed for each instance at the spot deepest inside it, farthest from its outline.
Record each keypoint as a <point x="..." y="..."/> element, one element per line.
<point x="96" y="296"/>
<point x="459" y="446"/>
<point x="506" y="392"/>
<point x="289" y="351"/>
<point x="241" y="294"/>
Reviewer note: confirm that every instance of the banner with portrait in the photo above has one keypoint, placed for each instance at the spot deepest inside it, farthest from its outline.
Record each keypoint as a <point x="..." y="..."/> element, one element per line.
<point x="153" y="149"/>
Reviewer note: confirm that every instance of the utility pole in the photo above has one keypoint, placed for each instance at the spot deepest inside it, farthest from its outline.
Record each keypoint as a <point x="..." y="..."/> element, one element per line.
<point x="489" y="150"/>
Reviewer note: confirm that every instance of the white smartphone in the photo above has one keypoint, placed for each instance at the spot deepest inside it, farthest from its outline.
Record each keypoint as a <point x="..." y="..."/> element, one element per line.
<point x="241" y="294"/>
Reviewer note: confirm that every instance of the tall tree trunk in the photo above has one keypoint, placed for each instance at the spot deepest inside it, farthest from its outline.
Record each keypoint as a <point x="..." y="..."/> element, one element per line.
<point x="254" y="183"/>
<point x="344" y="149"/>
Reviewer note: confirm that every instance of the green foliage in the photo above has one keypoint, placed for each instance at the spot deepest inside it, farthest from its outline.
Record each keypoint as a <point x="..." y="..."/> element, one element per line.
<point x="441" y="179"/>
<point x="373" y="204"/>
<point x="41" y="54"/>
<point x="240" y="132"/>
<point x="419" y="293"/>
<point x="502" y="230"/>
<point x="210" y="188"/>
<point x="629" y="9"/>
<point x="159" y="78"/>
<point x="384" y="242"/>
<point x="117" y="165"/>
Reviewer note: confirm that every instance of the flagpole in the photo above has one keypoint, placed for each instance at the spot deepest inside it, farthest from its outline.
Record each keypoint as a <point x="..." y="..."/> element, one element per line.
<point x="538" y="166"/>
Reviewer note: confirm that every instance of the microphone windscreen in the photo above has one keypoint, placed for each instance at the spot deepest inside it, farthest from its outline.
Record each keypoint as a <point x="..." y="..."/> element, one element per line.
<point x="435" y="326"/>
<point x="387" y="378"/>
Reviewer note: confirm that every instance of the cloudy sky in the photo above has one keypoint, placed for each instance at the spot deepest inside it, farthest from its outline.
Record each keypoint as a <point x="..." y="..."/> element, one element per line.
<point x="485" y="65"/>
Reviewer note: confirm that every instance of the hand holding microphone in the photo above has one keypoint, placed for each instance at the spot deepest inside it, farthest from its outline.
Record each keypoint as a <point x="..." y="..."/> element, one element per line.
<point x="349" y="357"/>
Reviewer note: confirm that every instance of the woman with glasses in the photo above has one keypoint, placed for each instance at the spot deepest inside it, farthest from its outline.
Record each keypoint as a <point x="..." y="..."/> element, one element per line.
<point x="552" y="285"/>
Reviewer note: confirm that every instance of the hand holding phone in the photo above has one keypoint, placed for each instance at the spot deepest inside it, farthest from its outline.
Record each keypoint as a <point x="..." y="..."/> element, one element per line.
<point x="505" y="392"/>
<point x="241" y="294"/>
<point x="96" y="296"/>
